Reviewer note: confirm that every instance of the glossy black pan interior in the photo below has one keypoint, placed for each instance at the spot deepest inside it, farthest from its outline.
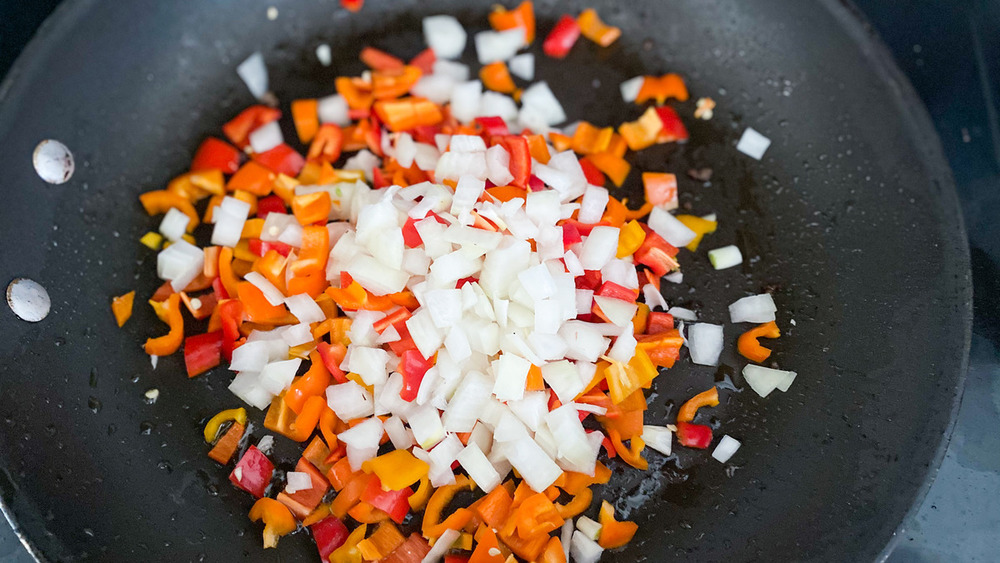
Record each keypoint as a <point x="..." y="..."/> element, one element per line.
<point x="851" y="220"/>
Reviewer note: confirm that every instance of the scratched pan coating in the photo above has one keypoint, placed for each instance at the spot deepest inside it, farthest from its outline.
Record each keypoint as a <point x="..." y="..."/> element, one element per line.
<point x="851" y="220"/>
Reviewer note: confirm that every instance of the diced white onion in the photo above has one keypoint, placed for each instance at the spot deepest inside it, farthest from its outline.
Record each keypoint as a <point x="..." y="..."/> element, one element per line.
<point x="653" y="297"/>
<point x="764" y="380"/>
<point x="297" y="481"/>
<point x="305" y="308"/>
<point x="479" y="468"/>
<point x="753" y="144"/>
<point x="589" y="527"/>
<point x="725" y="257"/>
<point x="441" y="546"/>
<point x="753" y="309"/>
<point x="726" y="448"/>
<point x="682" y="314"/>
<point x="278" y="376"/>
<point x="630" y="88"/>
<point x="271" y="293"/>
<point x="493" y="46"/>
<point x="253" y="72"/>
<point x="583" y="549"/>
<point x="349" y="400"/>
<point x="323" y="54"/>
<point x="660" y="438"/>
<point x="180" y="264"/>
<point x="445" y="36"/>
<point x="523" y="66"/>
<point x="705" y="342"/>
<point x="670" y="228"/>
<point x="174" y="224"/>
<point x="334" y="109"/>
<point x="266" y="137"/>
<point x="540" y="98"/>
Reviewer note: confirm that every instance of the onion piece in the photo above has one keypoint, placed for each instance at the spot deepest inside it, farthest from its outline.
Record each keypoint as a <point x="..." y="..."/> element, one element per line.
<point x="271" y="293"/>
<point x="660" y="438"/>
<point x="246" y="386"/>
<point x="670" y="228"/>
<point x="726" y="448"/>
<point x="540" y="98"/>
<point x="534" y="465"/>
<point x="753" y="144"/>
<point x="493" y="46"/>
<point x="630" y="88"/>
<point x="583" y="549"/>
<point x="305" y="308"/>
<point x="324" y="54"/>
<point x="445" y="36"/>
<point x="441" y="546"/>
<point x="764" y="380"/>
<point x="523" y="66"/>
<point x="599" y="247"/>
<point x="278" y="376"/>
<point x="251" y="356"/>
<point x="589" y="527"/>
<point x="705" y="343"/>
<point x="682" y="314"/>
<point x="266" y="137"/>
<point x="753" y="309"/>
<point x="174" y="224"/>
<point x="479" y="468"/>
<point x="618" y="311"/>
<point x="253" y="72"/>
<point x="180" y="264"/>
<point x="511" y="373"/>
<point x="725" y="257"/>
<point x="349" y="400"/>
<point x="334" y="109"/>
<point x="653" y="297"/>
<point x="297" y="481"/>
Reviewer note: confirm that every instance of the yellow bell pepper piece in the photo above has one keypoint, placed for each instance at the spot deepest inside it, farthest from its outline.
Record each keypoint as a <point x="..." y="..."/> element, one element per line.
<point x="278" y="520"/>
<point x="397" y="469"/>
<point x="423" y="493"/>
<point x="152" y="240"/>
<point x="349" y="552"/>
<point x="700" y="226"/>
<point x="630" y="238"/>
<point x="212" y="428"/>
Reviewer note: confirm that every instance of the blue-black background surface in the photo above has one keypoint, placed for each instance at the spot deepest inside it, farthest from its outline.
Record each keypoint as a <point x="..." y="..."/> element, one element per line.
<point x="951" y="52"/>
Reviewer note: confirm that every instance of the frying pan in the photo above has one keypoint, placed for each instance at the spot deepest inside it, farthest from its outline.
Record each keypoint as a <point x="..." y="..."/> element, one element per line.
<point x="851" y="220"/>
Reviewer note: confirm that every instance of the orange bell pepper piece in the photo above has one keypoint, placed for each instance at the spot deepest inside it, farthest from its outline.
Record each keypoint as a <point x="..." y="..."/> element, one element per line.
<point x="494" y="508"/>
<point x="577" y="506"/>
<point x="631" y="455"/>
<point x="559" y="141"/>
<point x="255" y="306"/>
<point x="226" y="275"/>
<point x="496" y="77"/>
<point x="305" y="114"/>
<point x="662" y="88"/>
<point x="278" y="520"/>
<point x="272" y="266"/>
<point x="121" y="307"/>
<point x="160" y="201"/>
<point x="327" y="427"/>
<point x="553" y="552"/>
<point x="588" y="139"/>
<point x="709" y="398"/>
<point x="367" y="514"/>
<point x="748" y="345"/>
<point x="315" y="250"/>
<point x="615" y="167"/>
<point x="169" y="311"/>
<point x="312" y="208"/>
<point x="523" y="16"/>
<point x="253" y="178"/>
<point x="224" y="449"/>
<point x="326" y="147"/>
<point x="488" y="548"/>
<point x="317" y="453"/>
<point x="614" y="533"/>
<point x="535" y="516"/>
<point x="340" y="474"/>
<point x="418" y="500"/>
<point x="538" y="148"/>
<point x="311" y="384"/>
<point x="350" y="495"/>
<point x="312" y="285"/>
<point x="433" y="526"/>
<point x="356" y="97"/>
<point x="597" y="31"/>
<point x="408" y="113"/>
<point x="385" y="539"/>
<point x="393" y="83"/>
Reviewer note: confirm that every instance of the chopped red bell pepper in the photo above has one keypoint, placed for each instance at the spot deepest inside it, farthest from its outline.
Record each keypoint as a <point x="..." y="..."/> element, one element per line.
<point x="412" y="366"/>
<point x="238" y="128"/>
<point x="216" y="154"/>
<point x="405" y="342"/>
<point x="535" y="184"/>
<point x="424" y="61"/>
<point x="282" y="159"/>
<point x="425" y="133"/>
<point x="270" y="204"/>
<point x="591" y="279"/>
<point x="673" y="128"/>
<point x="562" y="37"/>
<point x="325" y="350"/>
<point x="656" y="253"/>
<point x="493" y="126"/>
<point x="329" y="533"/>
<point x="571" y="235"/>
<point x="394" y="503"/>
<point x="411" y="238"/>
<point x="520" y="159"/>
<point x="694" y="435"/>
<point x="594" y="176"/>
<point x="260" y="247"/>
<point x="202" y="352"/>
<point x="220" y="290"/>
<point x="456" y="559"/>
<point x="253" y="472"/>
<point x="616" y="291"/>
<point x="352" y="5"/>
<point x="659" y="322"/>
<point x="379" y="179"/>
<point x="463" y="281"/>
<point x="231" y="315"/>
<point x="395" y="318"/>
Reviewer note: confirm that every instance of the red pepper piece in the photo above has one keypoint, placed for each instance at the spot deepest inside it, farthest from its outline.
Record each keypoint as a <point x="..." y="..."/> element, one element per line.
<point x="562" y="37"/>
<point x="254" y="471"/>
<point x="352" y="5"/>
<point x="424" y="61"/>
<point x="238" y="128"/>
<point x="571" y="235"/>
<point x="202" y="352"/>
<point x="411" y="238"/>
<point x="616" y="291"/>
<point x="260" y="248"/>
<point x="282" y="159"/>
<point x="231" y="315"/>
<point x="656" y="253"/>
<point x="216" y="154"/>
<point x="660" y="322"/>
<point x="394" y="503"/>
<point x="412" y="366"/>
<point x="329" y="533"/>
<point x="493" y="126"/>
<point x="594" y="176"/>
<point x="270" y="204"/>
<point x="591" y="279"/>
<point x="535" y="184"/>
<point x="330" y="361"/>
<point x="379" y="180"/>
<point x="694" y="435"/>
<point x="520" y="159"/>
<point x="673" y="128"/>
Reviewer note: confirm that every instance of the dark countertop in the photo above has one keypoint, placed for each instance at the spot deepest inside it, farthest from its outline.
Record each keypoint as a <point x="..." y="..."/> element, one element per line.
<point x="952" y="56"/>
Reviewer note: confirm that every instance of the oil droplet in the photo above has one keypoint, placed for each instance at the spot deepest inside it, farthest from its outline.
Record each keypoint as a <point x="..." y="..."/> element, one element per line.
<point x="164" y="465"/>
<point x="95" y="404"/>
<point x="50" y="430"/>
<point x="93" y="377"/>
<point x="146" y="428"/>
<point x="88" y="532"/>
<point x="112" y="428"/>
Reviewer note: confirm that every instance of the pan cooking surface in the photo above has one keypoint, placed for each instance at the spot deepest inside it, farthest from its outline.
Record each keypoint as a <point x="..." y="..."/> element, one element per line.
<point x="851" y="220"/>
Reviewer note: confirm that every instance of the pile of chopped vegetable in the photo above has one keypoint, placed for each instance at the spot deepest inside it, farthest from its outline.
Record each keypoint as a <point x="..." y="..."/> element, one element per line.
<point x="442" y="296"/>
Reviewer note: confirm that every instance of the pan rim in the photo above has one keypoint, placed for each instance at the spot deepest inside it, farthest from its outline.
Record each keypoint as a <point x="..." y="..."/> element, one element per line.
<point x="922" y="134"/>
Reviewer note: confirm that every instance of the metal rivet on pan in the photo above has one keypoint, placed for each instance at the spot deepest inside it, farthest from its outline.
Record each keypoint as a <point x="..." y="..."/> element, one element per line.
<point x="53" y="161"/>
<point x="28" y="299"/>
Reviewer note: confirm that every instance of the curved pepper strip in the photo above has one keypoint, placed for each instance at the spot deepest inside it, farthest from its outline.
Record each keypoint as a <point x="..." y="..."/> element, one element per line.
<point x="614" y="533"/>
<point x="327" y="427"/>
<point x="212" y="427"/>
<point x="229" y="280"/>
<point x="312" y="383"/>
<point x="631" y="455"/>
<point x="709" y="398"/>
<point x="349" y="553"/>
<point x="420" y="497"/>
<point x="302" y="428"/>
<point x="169" y="311"/>
<point x="278" y="520"/>
<point x="750" y="348"/>
<point x="432" y="526"/>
